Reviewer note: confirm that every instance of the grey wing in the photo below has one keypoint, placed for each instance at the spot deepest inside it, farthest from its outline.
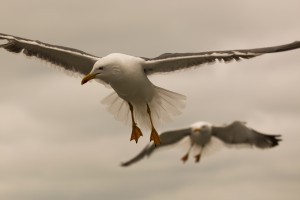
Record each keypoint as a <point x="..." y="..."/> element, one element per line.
<point x="238" y="133"/>
<point x="175" y="61"/>
<point x="70" y="59"/>
<point x="166" y="138"/>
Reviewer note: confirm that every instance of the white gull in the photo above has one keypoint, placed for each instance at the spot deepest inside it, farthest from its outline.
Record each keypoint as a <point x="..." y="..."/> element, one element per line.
<point x="135" y="99"/>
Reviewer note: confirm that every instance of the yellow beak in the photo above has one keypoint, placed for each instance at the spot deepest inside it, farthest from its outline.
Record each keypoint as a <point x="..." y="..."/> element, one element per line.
<point x="88" y="78"/>
<point x="197" y="130"/>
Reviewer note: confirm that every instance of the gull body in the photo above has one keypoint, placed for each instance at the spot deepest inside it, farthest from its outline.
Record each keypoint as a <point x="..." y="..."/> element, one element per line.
<point x="126" y="75"/>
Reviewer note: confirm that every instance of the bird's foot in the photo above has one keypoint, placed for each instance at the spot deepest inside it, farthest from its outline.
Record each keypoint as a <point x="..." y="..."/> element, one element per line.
<point x="136" y="133"/>
<point x="185" y="158"/>
<point x="154" y="136"/>
<point x="197" y="158"/>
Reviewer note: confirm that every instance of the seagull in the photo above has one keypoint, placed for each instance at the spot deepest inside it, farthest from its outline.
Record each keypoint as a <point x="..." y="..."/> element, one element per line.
<point x="203" y="135"/>
<point x="135" y="99"/>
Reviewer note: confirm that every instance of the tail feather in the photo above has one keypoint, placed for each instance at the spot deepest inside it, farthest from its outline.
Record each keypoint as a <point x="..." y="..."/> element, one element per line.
<point x="117" y="107"/>
<point x="164" y="105"/>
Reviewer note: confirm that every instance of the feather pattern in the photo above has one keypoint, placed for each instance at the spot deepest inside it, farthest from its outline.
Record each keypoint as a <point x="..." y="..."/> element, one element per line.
<point x="238" y="133"/>
<point x="176" y="61"/>
<point x="70" y="59"/>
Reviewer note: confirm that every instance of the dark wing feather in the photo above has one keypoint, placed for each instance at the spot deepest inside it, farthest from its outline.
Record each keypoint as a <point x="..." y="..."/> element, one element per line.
<point x="175" y="61"/>
<point x="166" y="138"/>
<point x="70" y="59"/>
<point x="238" y="133"/>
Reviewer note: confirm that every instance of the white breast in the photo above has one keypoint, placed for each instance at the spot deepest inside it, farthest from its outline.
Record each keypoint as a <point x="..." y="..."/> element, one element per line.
<point x="133" y="84"/>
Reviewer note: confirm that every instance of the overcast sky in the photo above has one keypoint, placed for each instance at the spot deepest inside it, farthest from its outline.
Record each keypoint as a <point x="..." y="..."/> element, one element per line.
<point x="58" y="142"/>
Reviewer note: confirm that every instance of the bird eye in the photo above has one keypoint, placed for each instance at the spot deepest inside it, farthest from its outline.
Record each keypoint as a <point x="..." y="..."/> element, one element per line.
<point x="100" y="68"/>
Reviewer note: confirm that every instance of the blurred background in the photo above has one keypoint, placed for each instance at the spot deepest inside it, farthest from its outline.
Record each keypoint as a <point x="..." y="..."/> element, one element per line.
<point x="58" y="142"/>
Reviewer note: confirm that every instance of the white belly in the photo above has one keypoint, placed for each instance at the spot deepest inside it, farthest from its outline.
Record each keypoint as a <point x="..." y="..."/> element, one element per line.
<point x="134" y="87"/>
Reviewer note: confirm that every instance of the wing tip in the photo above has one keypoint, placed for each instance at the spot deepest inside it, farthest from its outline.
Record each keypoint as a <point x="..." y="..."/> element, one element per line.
<point x="125" y="164"/>
<point x="273" y="140"/>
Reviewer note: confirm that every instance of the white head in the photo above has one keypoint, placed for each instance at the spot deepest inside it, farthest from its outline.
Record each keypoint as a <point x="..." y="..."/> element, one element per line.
<point x="201" y="133"/>
<point x="201" y="127"/>
<point x="104" y="69"/>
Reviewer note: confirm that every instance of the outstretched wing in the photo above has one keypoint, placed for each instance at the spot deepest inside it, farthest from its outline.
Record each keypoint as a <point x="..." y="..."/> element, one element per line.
<point x="166" y="138"/>
<point x="175" y="61"/>
<point x="238" y="133"/>
<point x="70" y="59"/>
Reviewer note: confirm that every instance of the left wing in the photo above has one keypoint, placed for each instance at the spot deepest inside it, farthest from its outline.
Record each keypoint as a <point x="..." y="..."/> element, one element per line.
<point x="68" y="58"/>
<point x="175" y="61"/>
<point x="166" y="138"/>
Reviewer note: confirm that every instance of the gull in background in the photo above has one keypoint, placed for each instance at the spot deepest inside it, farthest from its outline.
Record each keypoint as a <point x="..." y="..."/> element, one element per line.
<point x="203" y="136"/>
<point x="135" y="99"/>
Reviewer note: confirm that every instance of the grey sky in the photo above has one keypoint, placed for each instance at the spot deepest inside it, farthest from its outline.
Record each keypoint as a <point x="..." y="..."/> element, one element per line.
<point x="58" y="142"/>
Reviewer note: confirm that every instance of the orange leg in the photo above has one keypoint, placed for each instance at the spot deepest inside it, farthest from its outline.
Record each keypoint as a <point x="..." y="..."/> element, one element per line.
<point x="136" y="131"/>
<point x="186" y="156"/>
<point x="154" y="135"/>
<point x="197" y="157"/>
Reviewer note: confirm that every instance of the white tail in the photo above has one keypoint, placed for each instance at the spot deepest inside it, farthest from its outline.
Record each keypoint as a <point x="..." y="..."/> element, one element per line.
<point x="164" y="105"/>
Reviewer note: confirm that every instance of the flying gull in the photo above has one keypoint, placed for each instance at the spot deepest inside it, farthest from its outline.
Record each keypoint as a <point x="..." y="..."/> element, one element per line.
<point x="203" y="136"/>
<point x="135" y="99"/>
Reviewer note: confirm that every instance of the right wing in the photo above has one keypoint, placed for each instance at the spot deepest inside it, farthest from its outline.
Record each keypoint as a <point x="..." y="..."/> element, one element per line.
<point x="237" y="133"/>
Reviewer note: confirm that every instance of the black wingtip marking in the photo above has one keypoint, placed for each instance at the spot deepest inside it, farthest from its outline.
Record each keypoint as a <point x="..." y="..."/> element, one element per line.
<point x="274" y="140"/>
<point x="124" y="164"/>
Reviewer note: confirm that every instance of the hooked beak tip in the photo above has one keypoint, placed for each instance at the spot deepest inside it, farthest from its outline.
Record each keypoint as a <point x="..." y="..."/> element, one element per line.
<point x="87" y="78"/>
<point x="83" y="81"/>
